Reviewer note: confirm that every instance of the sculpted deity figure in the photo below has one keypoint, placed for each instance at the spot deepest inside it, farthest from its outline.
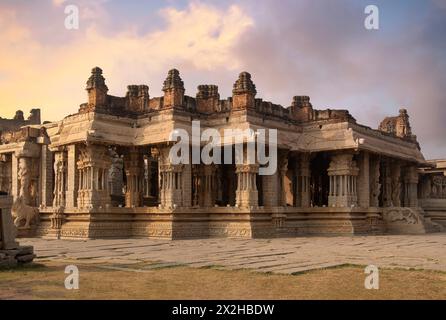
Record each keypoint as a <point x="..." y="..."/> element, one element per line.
<point x="375" y="191"/>
<point x="396" y="192"/>
<point x="436" y="187"/>
<point x="23" y="214"/>
<point x="116" y="175"/>
<point x="23" y="174"/>
<point x="375" y="186"/>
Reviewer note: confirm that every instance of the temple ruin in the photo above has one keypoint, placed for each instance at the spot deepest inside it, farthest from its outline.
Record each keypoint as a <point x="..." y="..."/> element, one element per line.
<point x="104" y="172"/>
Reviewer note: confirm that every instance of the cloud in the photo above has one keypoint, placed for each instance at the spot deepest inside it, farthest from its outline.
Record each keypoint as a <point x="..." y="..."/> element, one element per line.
<point x="316" y="48"/>
<point x="58" y="3"/>
<point x="321" y="49"/>
<point x="198" y="37"/>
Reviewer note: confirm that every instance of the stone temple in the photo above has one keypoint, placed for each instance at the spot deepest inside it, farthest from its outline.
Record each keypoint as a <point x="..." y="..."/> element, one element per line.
<point x="104" y="172"/>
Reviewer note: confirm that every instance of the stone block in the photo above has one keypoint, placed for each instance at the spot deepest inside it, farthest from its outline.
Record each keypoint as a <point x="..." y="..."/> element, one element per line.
<point x="26" y="258"/>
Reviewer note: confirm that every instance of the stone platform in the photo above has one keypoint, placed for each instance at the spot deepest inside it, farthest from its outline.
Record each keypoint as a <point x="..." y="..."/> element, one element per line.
<point x="287" y="256"/>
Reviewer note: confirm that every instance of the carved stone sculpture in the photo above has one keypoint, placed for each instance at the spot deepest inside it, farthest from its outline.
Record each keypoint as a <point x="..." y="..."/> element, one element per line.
<point x="23" y="214"/>
<point x="25" y="179"/>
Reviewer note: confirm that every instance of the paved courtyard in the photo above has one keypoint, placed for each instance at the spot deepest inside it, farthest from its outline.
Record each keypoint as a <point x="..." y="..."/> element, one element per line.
<point x="267" y="255"/>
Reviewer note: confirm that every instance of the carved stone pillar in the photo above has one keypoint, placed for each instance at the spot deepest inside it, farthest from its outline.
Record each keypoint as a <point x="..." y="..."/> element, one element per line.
<point x="387" y="187"/>
<point x="283" y="169"/>
<point x="171" y="185"/>
<point x="171" y="180"/>
<point x="411" y="187"/>
<point x="24" y="179"/>
<point x="209" y="190"/>
<point x="72" y="176"/>
<point x="116" y="174"/>
<point x="304" y="180"/>
<point x="5" y="174"/>
<point x="14" y="176"/>
<point x="93" y="167"/>
<point x="204" y="180"/>
<point x="364" y="180"/>
<point x="196" y="185"/>
<point x="343" y="174"/>
<point x="46" y="177"/>
<point x="375" y="186"/>
<point x="134" y="164"/>
<point x="274" y="186"/>
<point x="247" y="194"/>
<point x="60" y="175"/>
<point x="270" y="187"/>
<point x="147" y="175"/>
<point x="396" y="184"/>
<point x="186" y="187"/>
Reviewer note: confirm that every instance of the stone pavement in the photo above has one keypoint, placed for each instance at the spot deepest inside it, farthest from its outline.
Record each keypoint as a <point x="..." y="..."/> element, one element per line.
<point x="288" y="256"/>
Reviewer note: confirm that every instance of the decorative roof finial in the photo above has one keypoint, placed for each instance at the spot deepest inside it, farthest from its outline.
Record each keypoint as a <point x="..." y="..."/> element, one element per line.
<point x="173" y="81"/>
<point x="244" y="84"/>
<point x="96" y="79"/>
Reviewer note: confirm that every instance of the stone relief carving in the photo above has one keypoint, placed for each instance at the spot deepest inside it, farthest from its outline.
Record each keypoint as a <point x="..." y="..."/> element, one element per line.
<point x="23" y="214"/>
<point x="436" y="187"/>
<point x="405" y="215"/>
<point x="375" y="186"/>
<point x="116" y="175"/>
<point x="396" y="193"/>
<point x="24" y="177"/>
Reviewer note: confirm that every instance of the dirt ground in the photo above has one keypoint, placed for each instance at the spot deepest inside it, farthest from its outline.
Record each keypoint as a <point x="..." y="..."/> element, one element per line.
<point x="46" y="281"/>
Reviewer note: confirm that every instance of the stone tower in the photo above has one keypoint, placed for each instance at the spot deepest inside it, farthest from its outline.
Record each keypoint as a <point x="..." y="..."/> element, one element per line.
<point x="173" y="90"/>
<point x="244" y="92"/>
<point x="301" y="109"/>
<point x="97" y="89"/>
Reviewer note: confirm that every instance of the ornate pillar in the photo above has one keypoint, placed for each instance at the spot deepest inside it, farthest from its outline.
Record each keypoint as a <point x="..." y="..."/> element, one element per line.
<point x="364" y="180"/>
<point x="274" y="186"/>
<point x="24" y="179"/>
<point x="46" y="177"/>
<point x="270" y="187"/>
<point x="209" y="188"/>
<point x="387" y="187"/>
<point x="133" y="164"/>
<point x="72" y="177"/>
<point x="247" y="194"/>
<point x="304" y="180"/>
<point x="5" y="174"/>
<point x="115" y="174"/>
<point x="411" y="187"/>
<point x="171" y="185"/>
<point x="375" y="185"/>
<point x="171" y="180"/>
<point x="14" y="176"/>
<point x="283" y="169"/>
<point x="93" y="167"/>
<point x="343" y="174"/>
<point x="396" y="183"/>
<point x="60" y="169"/>
<point x="147" y="175"/>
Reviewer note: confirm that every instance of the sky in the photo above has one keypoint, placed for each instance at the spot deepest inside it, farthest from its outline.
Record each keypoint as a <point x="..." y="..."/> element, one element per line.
<point x="318" y="48"/>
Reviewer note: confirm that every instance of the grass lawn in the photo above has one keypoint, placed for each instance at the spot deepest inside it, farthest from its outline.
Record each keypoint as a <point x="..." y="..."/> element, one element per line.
<point x="46" y="281"/>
